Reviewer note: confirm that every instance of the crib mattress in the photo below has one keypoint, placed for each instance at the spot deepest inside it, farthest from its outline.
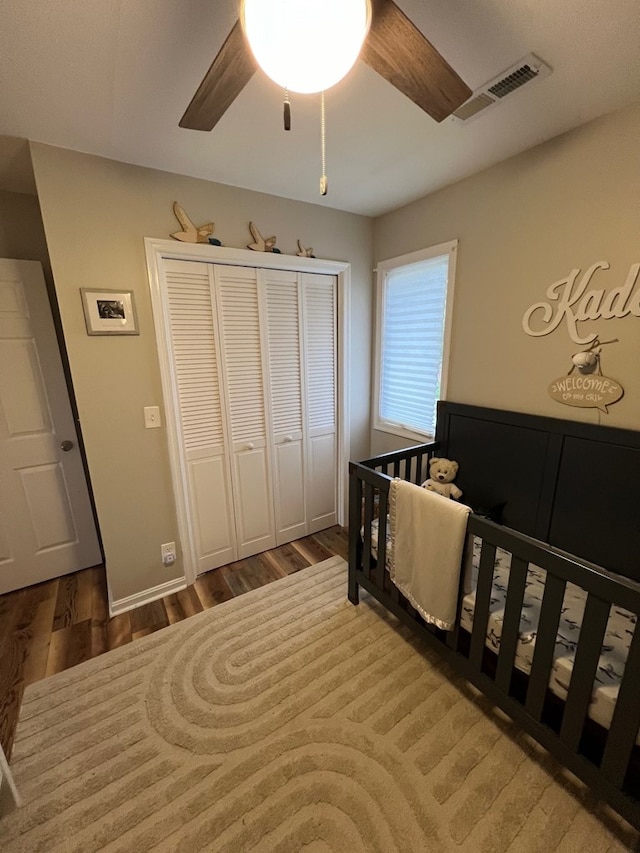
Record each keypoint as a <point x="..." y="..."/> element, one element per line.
<point x="615" y="647"/>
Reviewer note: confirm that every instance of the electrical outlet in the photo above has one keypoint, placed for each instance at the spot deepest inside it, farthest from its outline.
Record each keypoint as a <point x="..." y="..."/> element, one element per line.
<point x="168" y="552"/>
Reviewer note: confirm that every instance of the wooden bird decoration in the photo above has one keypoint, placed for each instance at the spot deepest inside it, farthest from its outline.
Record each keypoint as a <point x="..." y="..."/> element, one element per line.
<point x="191" y="233"/>
<point x="304" y="253"/>
<point x="261" y="245"/>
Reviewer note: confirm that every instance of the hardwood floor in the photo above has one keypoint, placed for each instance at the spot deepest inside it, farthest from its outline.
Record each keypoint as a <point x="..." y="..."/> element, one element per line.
<point x="55" y="625"/>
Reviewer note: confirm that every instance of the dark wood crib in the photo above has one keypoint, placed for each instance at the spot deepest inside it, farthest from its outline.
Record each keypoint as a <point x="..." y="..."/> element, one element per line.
<point x="566" y="496"/>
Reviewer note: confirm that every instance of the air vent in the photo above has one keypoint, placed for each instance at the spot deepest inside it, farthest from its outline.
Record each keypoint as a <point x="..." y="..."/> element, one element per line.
<point x="528" y="69"/>
<point x="470" y="108"/>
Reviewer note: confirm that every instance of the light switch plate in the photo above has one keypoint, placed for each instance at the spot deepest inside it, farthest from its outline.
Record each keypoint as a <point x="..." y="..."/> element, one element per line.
<point x="152" y="417"/>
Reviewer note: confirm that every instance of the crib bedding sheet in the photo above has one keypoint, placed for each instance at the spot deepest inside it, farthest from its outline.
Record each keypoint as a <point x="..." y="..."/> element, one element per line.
<point x="619" y="633"/>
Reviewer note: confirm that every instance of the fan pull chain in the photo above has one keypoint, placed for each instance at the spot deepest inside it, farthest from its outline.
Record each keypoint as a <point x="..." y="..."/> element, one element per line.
<point x="287" y="111"/>
<point x="324" y="184"/>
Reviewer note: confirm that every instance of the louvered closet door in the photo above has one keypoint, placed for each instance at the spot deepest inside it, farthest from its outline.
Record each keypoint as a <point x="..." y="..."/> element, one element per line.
<point x="319" y="320"/>
<point x="241" y="355"/>
<point x="281" y="298"/>
<point x="197" y="380"/>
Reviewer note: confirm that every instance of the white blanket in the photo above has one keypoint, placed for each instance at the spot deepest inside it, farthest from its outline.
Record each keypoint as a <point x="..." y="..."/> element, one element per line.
<point x="428" y="534"/>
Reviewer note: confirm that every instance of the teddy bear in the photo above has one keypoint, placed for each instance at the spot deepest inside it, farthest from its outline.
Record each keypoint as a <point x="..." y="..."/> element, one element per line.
<point x="442" y="472"/>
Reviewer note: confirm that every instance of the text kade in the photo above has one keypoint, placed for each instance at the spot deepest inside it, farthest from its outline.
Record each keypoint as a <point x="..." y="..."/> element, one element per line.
<point x="571" y="301"/>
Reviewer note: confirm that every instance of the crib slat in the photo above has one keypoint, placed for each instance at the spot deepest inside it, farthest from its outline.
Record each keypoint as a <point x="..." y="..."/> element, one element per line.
<point x="552" y="600"/>
<point x="418" y="480"/>
<point x="594" y="624"/>
<point x="626" y="719"/>
<point x="452" y="637"/>
<point x="396" y="468"/>
<point x="382" y="540"/>
<point x="483" y="600"/>
<point x="511" y="624"/>
<point x="368" y="518"/>
<point x="355" y="541"/>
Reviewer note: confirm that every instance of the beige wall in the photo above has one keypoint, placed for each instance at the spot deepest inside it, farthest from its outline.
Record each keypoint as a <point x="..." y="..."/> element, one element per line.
<point x="96" y="213"/>
<point x="521" y="226"/>
<point x="21" y="232"/>
<point x="22" y="238"/>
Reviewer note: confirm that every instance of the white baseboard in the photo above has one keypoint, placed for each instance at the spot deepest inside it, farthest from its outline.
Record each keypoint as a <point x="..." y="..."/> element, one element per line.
<point x="146" y="596"/>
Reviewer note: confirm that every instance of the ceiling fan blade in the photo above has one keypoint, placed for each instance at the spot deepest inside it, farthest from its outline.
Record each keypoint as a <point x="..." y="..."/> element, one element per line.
<point x="230" y="72"/>
<point x="398" y="51"/>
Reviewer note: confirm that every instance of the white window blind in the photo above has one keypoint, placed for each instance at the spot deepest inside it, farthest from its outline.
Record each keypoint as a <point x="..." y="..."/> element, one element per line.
<point x="412" y="344"/>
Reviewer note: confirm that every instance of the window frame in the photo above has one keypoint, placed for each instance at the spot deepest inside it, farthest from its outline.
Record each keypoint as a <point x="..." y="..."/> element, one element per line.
<point x="383" y="268"/>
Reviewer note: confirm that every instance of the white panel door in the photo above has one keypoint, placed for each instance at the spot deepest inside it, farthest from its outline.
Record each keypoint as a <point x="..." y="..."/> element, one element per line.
<point x="280" y="291"/>
<point x="319" y="313"/>
<point x="241" y="357"/>
<point x="196" y="377"/>
<point x="46" y="522"/>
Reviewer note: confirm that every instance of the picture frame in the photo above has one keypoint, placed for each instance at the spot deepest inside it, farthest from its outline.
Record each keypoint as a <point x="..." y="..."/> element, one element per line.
<point x="109" y="312"/>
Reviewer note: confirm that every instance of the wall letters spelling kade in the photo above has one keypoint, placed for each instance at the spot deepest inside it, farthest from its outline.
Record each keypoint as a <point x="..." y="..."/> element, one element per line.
<point x="571" y="301"/>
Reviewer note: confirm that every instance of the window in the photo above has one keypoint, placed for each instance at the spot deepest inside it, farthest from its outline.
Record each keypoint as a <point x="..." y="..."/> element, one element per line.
<point x="414" y="300"/>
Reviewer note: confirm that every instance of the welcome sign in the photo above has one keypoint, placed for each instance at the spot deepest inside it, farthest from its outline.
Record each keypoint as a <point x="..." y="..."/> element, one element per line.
<point x="572" y="300"/>
<point x="586" y="392"/>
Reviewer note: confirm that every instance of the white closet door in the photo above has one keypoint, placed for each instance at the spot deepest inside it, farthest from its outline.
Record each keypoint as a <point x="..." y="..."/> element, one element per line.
<point x="197" y="383"/>
<point x="281" y="298"/>
<point x="241" y="356"/>
<point x="319" y="318"/>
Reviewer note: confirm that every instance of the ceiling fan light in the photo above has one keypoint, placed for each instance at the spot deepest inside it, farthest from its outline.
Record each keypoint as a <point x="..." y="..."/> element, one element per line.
<point x="306" y="45"/>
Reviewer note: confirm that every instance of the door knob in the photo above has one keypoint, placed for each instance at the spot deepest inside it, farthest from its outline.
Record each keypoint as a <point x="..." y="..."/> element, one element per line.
<point x="288" y="438"/>
<point x="250" y="446"/>
<point x="66" y="446"/>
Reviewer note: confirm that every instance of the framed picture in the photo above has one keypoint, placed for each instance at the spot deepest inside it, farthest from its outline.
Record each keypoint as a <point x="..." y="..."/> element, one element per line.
<point x="109" y="312"/>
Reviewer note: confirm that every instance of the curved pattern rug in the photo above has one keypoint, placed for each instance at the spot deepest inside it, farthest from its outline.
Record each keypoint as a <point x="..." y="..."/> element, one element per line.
<point x="286" y="720"/>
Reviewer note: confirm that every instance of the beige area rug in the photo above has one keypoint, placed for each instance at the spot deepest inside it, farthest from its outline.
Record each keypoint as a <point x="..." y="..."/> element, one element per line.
<point x="285" y="720"/>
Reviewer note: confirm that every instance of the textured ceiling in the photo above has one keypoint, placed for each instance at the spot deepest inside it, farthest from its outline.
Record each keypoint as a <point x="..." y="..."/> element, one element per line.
<point x="114" y="77"/>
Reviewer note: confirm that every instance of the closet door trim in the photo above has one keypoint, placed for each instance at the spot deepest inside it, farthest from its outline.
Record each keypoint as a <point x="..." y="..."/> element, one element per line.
<point x="157" y="251"/>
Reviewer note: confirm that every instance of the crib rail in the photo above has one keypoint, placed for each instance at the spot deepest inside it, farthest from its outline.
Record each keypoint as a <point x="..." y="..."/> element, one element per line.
<point x="604" y="590"/>
<point x="606" y="760"/>
<point x="409" y="464"/>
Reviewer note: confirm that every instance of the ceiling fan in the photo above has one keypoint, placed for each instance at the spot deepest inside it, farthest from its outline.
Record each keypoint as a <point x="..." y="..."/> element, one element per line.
<point x="394" y="47"/>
